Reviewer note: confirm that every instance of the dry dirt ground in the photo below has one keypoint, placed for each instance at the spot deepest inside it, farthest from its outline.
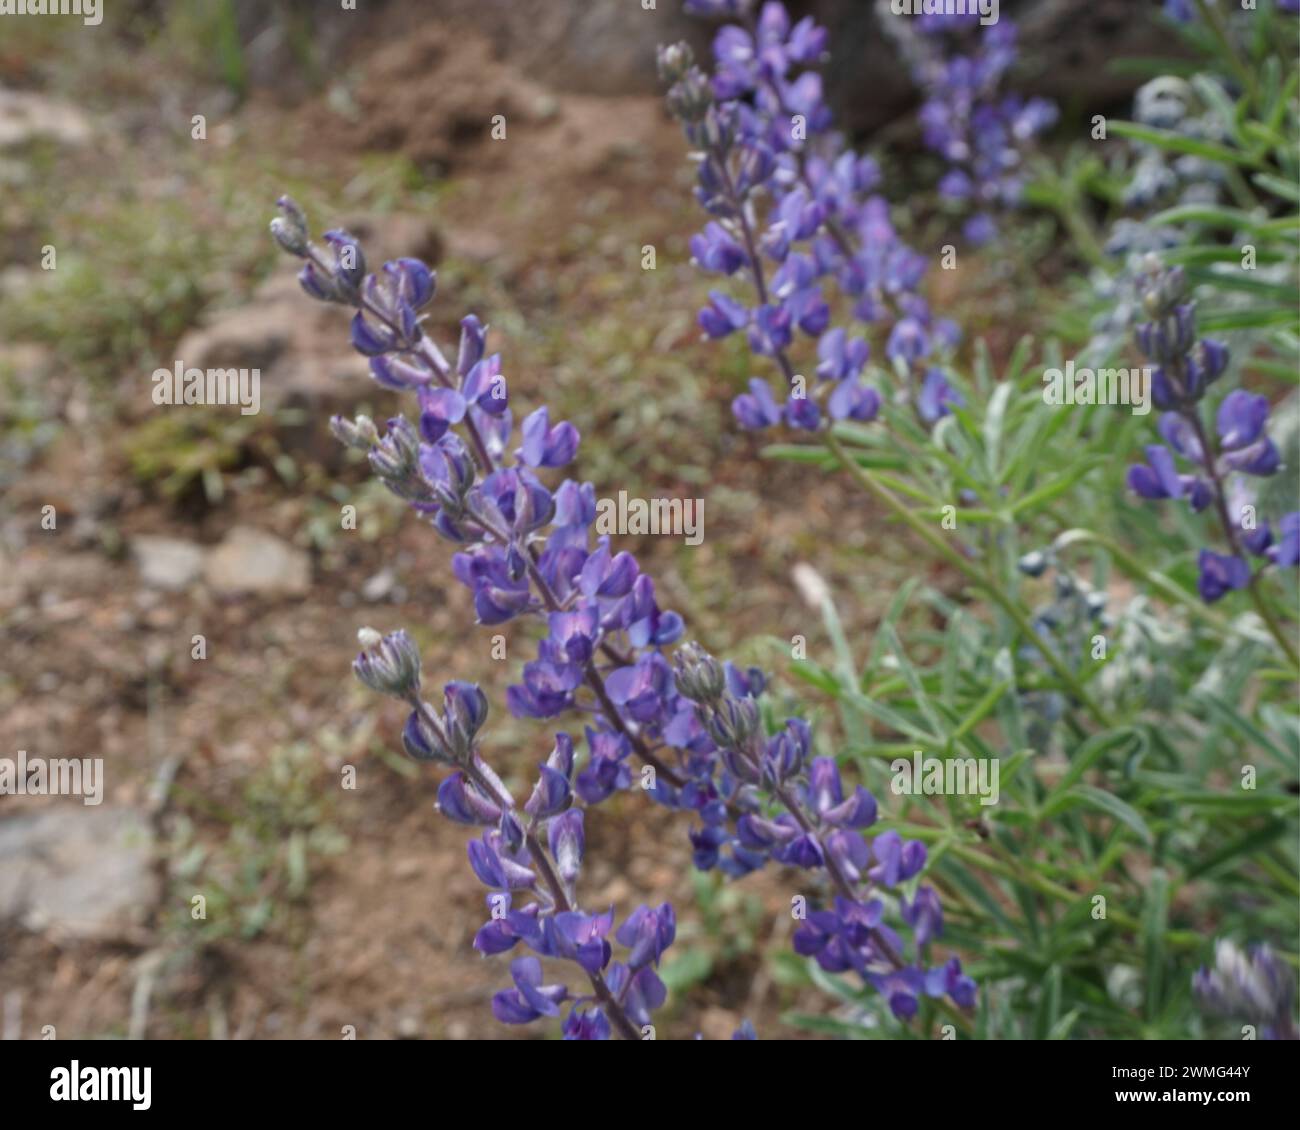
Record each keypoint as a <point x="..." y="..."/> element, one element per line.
<point x="330" y="907"/>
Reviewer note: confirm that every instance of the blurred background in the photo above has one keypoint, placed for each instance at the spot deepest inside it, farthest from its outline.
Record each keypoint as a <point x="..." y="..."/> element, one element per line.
<point x="328" y="907"/>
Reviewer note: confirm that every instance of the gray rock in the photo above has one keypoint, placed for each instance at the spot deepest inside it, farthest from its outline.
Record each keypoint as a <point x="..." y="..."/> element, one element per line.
<point x="167" y="563"/>
<point x="379" y="587"/>
<point x="79" y="872"/>
<point x="252" y="561"/>
<point x="26" y="116"/>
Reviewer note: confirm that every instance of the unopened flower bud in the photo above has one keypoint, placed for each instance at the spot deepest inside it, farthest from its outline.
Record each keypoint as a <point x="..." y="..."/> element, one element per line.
<point x="361" y="433"/>
<point x="1033" y="564"/>
<point x="466" y="709"/>
<point x="389" y="665"/>
<point x="422" y="740"/>
<point x="697" y="674"/>
<point x="733" y="723"/>
<point x="291" y="239"/>
<point x="674" y="60"/>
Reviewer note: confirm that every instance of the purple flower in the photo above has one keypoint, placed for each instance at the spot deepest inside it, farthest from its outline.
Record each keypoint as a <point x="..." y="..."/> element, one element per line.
<point x="722" y="316"/>
<point x="1286" y="553"/>
<point x="1159" y="478"/>
<point x="907" y="342"/>
<point x="716" y="250"/>
<point x="461" y="801"/>
<point x="935" y="397"/>
<point x="586" y="1022"/>
<point x="896" y="861"/>
<point x="1219" y="575"/>
<point x="648" y="933"/>
<point x="1245" y="447"/>
<point x="529" y="999"/>
<point x="1254" y="986"/>
<point x="546" y="446"/>
<point x="552" y="792"/>
<point x="923" y="914"/>
<point x="567" y="844"/>
<point x="757" y="408"/>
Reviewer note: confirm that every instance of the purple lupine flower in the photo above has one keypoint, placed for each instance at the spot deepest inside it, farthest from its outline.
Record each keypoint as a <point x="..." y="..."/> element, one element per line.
<point x="1187" y="366"/>
<point x="529" y="999"/>
<point x="522" y="548"/>
<point x="1286" y="552"/>
<point x="1220" y="575"/>
<point x="757" y="408"/>
<point x="780" y="188"/>
<point x="896" y="861"/>
<point x="960" y="65"/>
<point x="935" y="397"/>
<point x="716" y="250"/>
<point x="1158" y="478"/>
<point x="648" y="933"/>
<point x="546" y="446"/>
<point x="1254" y="986"/>
<point x="1242" y="441"/>
<point x="923" y="914"/>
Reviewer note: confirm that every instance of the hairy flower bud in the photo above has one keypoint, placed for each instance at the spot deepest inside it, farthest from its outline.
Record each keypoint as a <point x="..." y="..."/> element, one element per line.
<point x="1033" y="564"/>
<point x="674" y="60"/>
<point x="697" y="675"/>
<point x="466" y="709"/>
<point x="733" y="723"/>
<point x="289" y="229"/>
<point x="288" y="237"/>
<point x="423" y="740"/>
<point x="361" y="433"/>
<point x="388" y="664"/>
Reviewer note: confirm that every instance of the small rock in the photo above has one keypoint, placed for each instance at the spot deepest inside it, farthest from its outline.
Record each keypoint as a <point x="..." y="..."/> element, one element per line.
<point x="379" y="586"/>
<point x="25" y="115"/>
<point x="250" y="560"/>
<point x="78" y="871"/>
<point x="167" y="563"/>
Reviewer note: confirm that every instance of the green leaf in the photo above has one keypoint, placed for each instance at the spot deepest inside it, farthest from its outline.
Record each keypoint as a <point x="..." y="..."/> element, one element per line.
<point x="912" y="678"/>
<point x="1247" y="319"/>
<point x="1154" y="923"/>
<point x="1247" y="729"/>
<point x="993" y="423"/>
<point x="1058" y="486"/>
<point x="1221" y="217"/>
<point x="1178" y="143"/>
<point x="1243" y="848"/>
<point x="799" y="453"/>
<point x="1286" y="189"/>
<point x="1103" y="802"/>
<point x="1094" y="749"/>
